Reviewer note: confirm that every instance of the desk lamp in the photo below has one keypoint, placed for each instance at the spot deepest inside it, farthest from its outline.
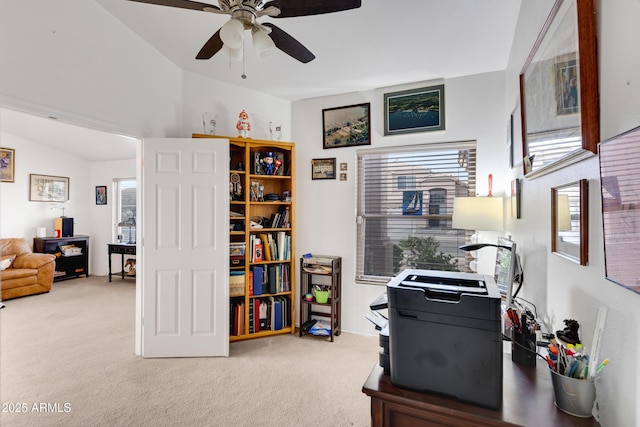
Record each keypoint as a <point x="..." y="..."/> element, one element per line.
<point x="131" y="222"/>
<point x="478" y="213"/>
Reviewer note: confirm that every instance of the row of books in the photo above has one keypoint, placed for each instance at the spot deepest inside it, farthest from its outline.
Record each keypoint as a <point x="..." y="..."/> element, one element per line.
<point x="264" y="314"/>
<point x="280" y="219"/>
<point x="270" y="279"/>
<point x="275" y="246"/>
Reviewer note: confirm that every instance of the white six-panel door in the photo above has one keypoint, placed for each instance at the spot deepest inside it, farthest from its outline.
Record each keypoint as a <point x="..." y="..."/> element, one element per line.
<point x="185" y="247"/>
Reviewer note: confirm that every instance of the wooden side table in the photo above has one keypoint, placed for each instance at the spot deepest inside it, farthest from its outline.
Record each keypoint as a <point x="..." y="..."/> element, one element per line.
<point x="527" y="401"/>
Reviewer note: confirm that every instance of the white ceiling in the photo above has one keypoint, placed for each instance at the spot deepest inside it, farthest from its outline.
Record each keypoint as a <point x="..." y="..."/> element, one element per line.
<point x="88" y="144"/>
<point x="383" y="43"/>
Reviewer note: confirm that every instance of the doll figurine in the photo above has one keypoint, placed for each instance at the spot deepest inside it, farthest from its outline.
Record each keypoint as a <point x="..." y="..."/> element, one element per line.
<point x="268" y="164"/>
<point x="243" y="124"/>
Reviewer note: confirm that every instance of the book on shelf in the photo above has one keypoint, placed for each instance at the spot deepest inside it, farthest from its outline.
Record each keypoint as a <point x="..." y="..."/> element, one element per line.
<point x="237" y="319"/>
<point x="251" y="318"/>
<point x="257" y="249"/>
<point x="264" y="315"/>
<point x="256" y="315"/>
<point x="257" y="279"/>
<point x="280" y="219"/>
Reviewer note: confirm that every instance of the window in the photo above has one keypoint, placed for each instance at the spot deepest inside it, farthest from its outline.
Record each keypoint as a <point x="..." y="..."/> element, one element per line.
<point x="406" y="182"/>
<point x="394" y="231"/>
<point x="125" y="210"/>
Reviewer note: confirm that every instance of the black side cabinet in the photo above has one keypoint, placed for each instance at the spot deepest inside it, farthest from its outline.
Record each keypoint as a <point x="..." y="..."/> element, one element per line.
<point x="69" y="264"/>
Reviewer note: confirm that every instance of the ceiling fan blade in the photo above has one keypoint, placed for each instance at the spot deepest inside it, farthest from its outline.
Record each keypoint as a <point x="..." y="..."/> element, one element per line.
<point x="182" y="4"/>
<point x="289" y="45"/>
<point x="211" y="47"/>
<point x="291" y="8"/>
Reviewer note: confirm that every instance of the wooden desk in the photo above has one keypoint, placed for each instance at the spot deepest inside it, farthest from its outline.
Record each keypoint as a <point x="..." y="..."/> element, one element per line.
<point x="122" y="249"/>
<point x="527" y="400"/>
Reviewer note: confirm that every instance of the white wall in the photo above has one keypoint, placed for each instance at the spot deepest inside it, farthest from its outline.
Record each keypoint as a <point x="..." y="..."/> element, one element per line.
<point x="226" y="101"/>
<point x="101" y="216"/>
<point x="73" y="59"/>
<point x="21" y="217"/>
<point x="562" y="289"/>
<point x="88" y="69"/>
<point x="325" y="209"/>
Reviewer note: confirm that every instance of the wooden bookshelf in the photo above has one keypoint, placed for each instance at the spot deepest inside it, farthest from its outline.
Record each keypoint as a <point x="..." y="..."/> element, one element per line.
<point x="252" y="198"/>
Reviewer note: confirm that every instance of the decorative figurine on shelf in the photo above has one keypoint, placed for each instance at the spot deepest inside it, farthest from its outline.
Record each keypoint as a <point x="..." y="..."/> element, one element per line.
<point x="243" y="125"/>
<point x="270" y="164"/>
<point x="267" y="163"/>
<point x="275" y="131"/>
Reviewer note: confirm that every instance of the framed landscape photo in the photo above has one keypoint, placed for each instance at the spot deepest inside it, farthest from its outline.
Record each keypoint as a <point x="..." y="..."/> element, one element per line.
<point x="323" y="168"/>
<point x="46" y="188"/>
<point x="7" y="164"/>
<point x="101" y="194"/>
<point x="346" y="126"/>
<point x="414" y="110"/>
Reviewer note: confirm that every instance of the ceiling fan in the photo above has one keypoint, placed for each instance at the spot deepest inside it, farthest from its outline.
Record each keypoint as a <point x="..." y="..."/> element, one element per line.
<point x="266" y="37"/>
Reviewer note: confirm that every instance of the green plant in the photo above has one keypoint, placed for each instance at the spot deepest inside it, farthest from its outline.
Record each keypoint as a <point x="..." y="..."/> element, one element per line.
<point x="422" y="253"/>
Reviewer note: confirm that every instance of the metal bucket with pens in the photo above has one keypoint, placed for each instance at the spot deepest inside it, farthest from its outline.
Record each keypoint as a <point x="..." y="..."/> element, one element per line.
<point x="573" y="395"/>
<point x="573" y="383"/>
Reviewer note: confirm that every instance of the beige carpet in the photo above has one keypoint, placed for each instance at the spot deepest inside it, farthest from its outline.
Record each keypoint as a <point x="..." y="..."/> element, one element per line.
<point x="67" y="359"/>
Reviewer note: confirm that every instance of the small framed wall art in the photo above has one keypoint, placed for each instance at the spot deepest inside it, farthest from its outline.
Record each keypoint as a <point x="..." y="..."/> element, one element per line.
<point x="101" y="194"/>
<point x="7" y="164"/>
<point x="346" y="126"/>
<point x="323" y="168"/>
<point x="414" y="110"/>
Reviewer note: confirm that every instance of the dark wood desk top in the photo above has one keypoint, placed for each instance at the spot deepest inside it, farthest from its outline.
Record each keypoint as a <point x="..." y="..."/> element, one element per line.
<point x="527" y="399"/>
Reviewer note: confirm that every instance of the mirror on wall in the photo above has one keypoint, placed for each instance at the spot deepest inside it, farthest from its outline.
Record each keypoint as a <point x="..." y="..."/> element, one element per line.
<point x="559" y="91"/>
<point x="569" y="221"/>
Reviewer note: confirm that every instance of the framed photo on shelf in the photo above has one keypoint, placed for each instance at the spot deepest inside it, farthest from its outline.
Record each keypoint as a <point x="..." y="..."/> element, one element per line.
<point x="346" y="126"/>
<point x="323" y="168"/>
<point x="7" y="164"/>
<point x="414" y="110"/>
<point x="46" y="188"/>
<point x="101" y="194"/>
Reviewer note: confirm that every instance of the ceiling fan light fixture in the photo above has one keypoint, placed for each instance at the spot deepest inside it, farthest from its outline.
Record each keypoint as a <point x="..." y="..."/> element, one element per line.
<point x="231" y="33"/>
<point x="235" y="54"/>
<point x="262" y="43"/>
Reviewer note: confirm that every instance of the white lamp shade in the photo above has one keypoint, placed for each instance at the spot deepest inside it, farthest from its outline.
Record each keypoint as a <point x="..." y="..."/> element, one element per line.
<point x="478" y="213"/>
<point x="231" y="33"/>
<point x="235" y="54"/>
<point x="564" y="213"/>
<point x="262" y="44"/>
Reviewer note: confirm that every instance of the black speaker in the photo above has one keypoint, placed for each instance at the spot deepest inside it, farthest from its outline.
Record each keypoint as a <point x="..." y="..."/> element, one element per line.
<point x="67" y="227"/>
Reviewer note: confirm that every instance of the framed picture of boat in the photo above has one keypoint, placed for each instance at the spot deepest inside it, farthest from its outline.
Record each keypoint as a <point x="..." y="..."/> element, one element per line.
<point x="412" y="203"/>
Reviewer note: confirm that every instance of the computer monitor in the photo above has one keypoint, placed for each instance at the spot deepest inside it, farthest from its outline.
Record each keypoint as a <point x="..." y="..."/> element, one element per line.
<point x="505" y="268"/>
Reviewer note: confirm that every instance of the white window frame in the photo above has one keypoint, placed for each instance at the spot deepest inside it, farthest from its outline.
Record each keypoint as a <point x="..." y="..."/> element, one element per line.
<point x="120" y="184"/>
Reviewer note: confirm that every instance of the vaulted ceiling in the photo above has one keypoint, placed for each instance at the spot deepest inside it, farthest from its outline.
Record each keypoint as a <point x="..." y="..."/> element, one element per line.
<point x="382" y="43"/>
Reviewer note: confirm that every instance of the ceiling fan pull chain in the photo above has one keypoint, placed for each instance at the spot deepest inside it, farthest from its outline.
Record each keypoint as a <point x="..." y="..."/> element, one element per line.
<point x="244" y="76"/>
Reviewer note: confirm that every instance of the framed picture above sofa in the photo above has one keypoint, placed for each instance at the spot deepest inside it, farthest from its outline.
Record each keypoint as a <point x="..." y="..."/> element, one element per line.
<point x="46" y="188"/>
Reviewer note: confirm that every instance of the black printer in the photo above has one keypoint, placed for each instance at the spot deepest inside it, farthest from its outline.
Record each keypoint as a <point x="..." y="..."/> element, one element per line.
<point x="445" y="335"/>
